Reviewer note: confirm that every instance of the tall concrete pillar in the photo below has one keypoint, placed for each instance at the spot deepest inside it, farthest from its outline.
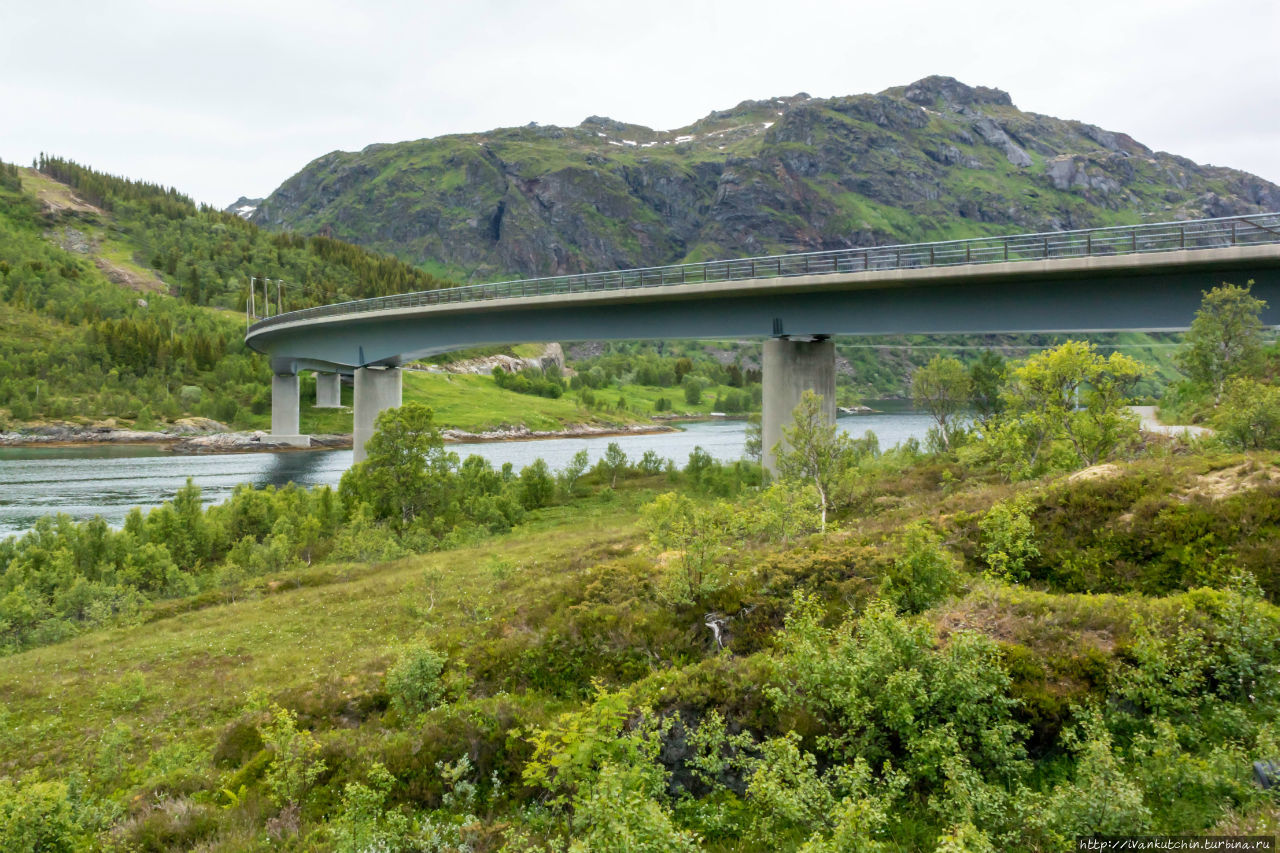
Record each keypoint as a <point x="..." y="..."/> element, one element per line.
<point x="790" y="369"/>
<point x="284" y="411"/>
<point x="377" y="388"/>
<point x="328" y="390"/>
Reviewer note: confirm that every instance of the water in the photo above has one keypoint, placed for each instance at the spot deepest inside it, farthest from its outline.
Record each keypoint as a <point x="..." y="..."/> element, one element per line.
<point x="107" y="480"/>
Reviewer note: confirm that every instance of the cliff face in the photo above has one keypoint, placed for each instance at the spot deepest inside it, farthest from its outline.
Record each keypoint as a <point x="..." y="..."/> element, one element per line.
<point x="933" y="160"/>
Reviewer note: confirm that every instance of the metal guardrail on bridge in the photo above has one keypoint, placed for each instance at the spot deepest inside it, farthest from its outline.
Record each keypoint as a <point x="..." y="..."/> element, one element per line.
<point x="1116" y="240"/>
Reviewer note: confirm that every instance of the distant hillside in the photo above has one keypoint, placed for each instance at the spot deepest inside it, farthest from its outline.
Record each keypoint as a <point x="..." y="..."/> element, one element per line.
<point x="933" y="160"/>
<point x="123" y="299"/>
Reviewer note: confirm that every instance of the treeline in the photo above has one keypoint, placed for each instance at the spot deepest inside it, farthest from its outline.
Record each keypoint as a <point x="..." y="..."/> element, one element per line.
<point x="688" y="368"/>
<point x="10" y="178"/>
<point x="208" y="256"/>
<point x="532" y="380"/>
<point x="112" y="352"/>
<point x="75" y="344"/>
<point x="110" y="191"/>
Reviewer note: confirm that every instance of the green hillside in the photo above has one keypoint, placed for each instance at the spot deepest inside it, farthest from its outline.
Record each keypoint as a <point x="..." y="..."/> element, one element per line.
<point x="879" y="688"/>
<point x="1041" y="625"/>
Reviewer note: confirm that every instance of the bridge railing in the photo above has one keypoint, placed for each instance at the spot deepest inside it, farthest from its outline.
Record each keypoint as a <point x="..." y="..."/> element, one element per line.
<point x="1116" y="240"/>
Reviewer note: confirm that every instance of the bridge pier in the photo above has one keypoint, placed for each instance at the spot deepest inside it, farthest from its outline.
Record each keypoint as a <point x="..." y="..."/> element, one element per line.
<point x="284" y="411"/>
<point x="377" y="388"/>
<point x="328" y="390"/>
<point x="790" y="368"/>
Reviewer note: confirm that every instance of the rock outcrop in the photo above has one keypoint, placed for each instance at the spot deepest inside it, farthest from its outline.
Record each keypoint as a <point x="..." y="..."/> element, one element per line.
<point x="935" y="159"/>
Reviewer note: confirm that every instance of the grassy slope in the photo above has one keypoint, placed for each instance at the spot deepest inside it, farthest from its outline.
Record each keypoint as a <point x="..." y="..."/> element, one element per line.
<point x="474" y="403"/>
<point x="139" y="711"/>
<point x="326" y="630"/>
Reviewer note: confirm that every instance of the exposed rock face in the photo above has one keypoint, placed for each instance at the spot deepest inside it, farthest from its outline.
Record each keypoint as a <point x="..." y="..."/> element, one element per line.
<point x="552" y="355"/>
<point x="244" y="207"/>
<point x="63" y="433"/>
<point x="935" y="159"/>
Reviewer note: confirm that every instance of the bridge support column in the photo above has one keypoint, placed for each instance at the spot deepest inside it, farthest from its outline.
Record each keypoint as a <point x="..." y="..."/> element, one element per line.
<point x="284" y="411"/>
<point x="328" y="390"/>
<point x="791" y="368"/>
<point x="377" y="388"/>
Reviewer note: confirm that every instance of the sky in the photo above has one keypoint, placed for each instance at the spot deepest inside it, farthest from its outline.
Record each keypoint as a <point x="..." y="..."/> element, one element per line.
<point x="229" y="98"/>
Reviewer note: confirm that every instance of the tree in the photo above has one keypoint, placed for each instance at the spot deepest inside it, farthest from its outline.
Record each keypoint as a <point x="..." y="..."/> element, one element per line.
<point x="986" y="375"/>
<point x="813" y="450"/>
<point x="568" y="476"/>
<point x="1225" y="338"/>
<point x="614" y="462"/>
<point x="407" y="472"/>
<point x="1072" y="392"/>
<point x="537" y="487"/>
<point x="753" y="446"/>
<point x="692" y="389"/>
<point x="696" y="534"/>
<point x="296" y="762"/>
<point x="942" y="388"/>
<point x="1249" y="417"/>
<point x="1008" y="540"/>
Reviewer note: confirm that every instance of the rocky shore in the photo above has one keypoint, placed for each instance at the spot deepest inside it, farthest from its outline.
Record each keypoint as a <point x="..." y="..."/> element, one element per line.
<point x="523" y="433"/>
<point x="200" y="435"/>
<point x="109" y="433"/>
<point x="248" y="442"/>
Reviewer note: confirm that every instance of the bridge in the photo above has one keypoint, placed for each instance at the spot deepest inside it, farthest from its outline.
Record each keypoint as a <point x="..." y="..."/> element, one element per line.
<point x="1140" y="278"/>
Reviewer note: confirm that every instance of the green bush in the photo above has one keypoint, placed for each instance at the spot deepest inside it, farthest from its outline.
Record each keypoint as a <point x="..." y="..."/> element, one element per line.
<point x="1249" y="417"/>
<point x="414" y="683"/>
<point x="923" y="572"/>
<point x="39" y="817"/>
<point x="537" y="486"/>
<point x="1008" y="540"/>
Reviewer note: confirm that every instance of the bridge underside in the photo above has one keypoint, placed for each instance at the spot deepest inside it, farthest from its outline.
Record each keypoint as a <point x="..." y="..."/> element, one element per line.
<point x="1162" y="301"/>
<point x="1100" y="295"/>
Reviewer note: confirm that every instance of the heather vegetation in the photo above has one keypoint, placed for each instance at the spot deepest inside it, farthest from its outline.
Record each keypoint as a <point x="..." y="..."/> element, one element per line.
<point x="1040" y="624"/>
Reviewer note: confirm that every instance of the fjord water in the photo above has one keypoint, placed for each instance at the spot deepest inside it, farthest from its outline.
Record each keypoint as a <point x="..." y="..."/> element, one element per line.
<point x="107" y="480"/>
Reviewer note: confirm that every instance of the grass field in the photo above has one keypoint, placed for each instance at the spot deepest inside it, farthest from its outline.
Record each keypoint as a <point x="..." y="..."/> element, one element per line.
<point x="475" y="403"/>
<point x="327" y="633"/>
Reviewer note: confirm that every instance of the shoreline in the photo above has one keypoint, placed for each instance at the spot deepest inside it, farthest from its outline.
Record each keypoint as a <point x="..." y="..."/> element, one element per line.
<point x="260" y="442"/>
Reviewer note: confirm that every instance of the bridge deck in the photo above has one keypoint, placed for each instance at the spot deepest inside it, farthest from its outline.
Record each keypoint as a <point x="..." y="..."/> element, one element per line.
<point x="1259" y="229"/>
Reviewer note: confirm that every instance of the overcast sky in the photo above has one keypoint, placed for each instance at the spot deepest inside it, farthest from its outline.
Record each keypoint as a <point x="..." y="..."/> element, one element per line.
<point x="232" y="97"/>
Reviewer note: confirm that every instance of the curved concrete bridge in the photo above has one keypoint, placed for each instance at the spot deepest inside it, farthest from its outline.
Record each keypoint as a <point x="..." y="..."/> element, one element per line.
<point x="1147" y="277"/>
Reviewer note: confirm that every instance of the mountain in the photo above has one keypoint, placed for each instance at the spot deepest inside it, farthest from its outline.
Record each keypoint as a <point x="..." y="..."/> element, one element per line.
<point x="243" y="207"/>
<point x="933" y="160"/>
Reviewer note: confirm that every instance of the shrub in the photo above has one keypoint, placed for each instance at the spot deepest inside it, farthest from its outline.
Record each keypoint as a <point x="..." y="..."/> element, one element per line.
<point x="537" y="488"/>
<point x="1008" y="540"/>
<point x="923" y="572"/>
<point x="295" y="758"/>
<point x="883" y="690"/>
<point x="620" y="813"/>
<point x="41" y="817"/>
<point x="1249" y="417"/>
<point x="415" y="682"/>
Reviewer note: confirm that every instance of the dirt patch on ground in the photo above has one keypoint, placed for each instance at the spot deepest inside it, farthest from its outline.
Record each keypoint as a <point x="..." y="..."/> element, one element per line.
<point x="1105" y="471"/>
<point x="60" y="198"/>
<point x="143" y="282"/>
<point x="1046" y="630"/>
<point x="1217" y="485"/>
<point x="991" y="621"/>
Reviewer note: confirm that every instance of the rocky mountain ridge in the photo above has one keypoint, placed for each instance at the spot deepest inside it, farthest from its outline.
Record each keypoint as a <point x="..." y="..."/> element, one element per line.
<point x="936" y="159"/>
